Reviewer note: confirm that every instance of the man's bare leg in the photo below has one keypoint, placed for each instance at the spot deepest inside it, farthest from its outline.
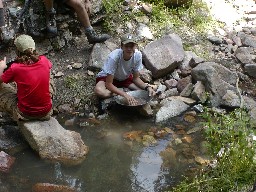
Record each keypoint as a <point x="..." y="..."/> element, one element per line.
<point x="83" y="17"/>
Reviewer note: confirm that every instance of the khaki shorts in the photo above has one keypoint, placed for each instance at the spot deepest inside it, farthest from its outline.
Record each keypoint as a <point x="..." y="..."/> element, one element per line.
<point x="8" y="104"/>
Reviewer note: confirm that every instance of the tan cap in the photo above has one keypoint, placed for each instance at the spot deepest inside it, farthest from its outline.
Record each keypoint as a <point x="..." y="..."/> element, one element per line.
<point x="128" y="38"/>
<point x="24" y="42"/>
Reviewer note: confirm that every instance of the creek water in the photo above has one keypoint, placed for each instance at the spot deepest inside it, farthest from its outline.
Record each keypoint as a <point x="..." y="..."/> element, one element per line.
<point x="113" y="164"/>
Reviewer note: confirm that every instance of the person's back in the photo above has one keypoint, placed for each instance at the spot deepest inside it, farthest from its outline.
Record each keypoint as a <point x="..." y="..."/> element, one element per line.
<point x="31" y="73"/>
<point x="32" y="86"/>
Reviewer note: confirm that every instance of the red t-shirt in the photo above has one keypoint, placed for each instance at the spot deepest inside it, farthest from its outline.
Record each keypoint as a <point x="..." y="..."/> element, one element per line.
<point x="32" y="86"/>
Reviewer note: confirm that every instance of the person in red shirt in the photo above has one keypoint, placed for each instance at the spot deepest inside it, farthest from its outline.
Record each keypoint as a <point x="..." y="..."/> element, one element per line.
<point x="31" y="98"/>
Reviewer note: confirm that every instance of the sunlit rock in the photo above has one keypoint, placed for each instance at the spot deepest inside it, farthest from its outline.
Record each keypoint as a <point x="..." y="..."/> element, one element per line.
<point x="162" y="63"/>
<point x="187" y="139"/>
<point x="132" y="135"/>
<point x="148" y="140"/>
<point x="53" y="142"/>
<point x="171" y="109"/>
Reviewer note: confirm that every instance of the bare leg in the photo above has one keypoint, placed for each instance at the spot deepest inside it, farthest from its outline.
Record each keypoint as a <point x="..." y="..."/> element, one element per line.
<point x="101" y="91"/>
<point x="81" y="12"/>
<point x="83" y="17"/>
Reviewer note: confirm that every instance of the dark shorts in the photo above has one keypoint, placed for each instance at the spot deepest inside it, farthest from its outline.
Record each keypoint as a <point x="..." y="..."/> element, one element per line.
<point x="119" y="84"/>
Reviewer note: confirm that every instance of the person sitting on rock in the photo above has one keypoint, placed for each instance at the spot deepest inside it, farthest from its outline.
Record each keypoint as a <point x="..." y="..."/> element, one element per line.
<point x="30" y="99"/>
<point x="5" y="35"/>
<point x="83" y="11"/>
<point x="121" y="69"/>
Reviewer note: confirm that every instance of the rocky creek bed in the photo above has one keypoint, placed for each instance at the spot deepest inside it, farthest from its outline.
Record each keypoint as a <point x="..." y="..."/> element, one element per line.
<point x="75" y="64"/>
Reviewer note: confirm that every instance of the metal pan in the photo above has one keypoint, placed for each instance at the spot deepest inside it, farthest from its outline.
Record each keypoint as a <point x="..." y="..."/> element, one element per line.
<point x="141" y="96"/>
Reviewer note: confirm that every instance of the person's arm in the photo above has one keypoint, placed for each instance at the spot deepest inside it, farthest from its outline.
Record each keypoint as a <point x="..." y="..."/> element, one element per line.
<point x="2" y="65"/>
<point x="137" y="81"/>
<point x="114" y="89"/>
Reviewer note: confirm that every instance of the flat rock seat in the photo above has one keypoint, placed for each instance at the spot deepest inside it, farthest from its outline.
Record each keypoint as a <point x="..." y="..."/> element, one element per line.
<point x="53" y="142"/>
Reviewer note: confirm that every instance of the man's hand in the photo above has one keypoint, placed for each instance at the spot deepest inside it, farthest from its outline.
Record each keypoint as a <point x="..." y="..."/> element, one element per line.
<point x="88" y="6"/>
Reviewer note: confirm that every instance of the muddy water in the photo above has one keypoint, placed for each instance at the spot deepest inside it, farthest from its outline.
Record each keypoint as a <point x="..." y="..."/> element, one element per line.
<point x="113" y="164"/>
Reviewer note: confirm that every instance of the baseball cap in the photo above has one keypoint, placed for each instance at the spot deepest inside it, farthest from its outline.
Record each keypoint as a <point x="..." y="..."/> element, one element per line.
<point x="24" y="42"/>
<point x="128" y="38"/>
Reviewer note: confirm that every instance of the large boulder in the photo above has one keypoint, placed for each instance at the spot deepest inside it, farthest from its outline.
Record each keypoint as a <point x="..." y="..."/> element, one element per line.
<point x="100" y="54"/>
<point x="53" y="142"/>
<point x="217" y="80"/>
<point x="163" y="55"/>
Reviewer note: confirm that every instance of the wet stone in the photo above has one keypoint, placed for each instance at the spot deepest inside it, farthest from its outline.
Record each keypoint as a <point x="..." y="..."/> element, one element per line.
<point x="6" y="162"/>
<point x="11" y="140"/>
<point x="47" y="187"/>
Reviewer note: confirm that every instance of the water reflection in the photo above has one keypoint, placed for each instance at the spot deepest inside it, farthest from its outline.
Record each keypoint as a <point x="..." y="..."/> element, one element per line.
<point x="69" y="180"/>
<point x="147" y="173"/>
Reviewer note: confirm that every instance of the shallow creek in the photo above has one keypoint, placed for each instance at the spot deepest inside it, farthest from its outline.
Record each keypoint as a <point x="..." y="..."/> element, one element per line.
<point x="122" y="156"/>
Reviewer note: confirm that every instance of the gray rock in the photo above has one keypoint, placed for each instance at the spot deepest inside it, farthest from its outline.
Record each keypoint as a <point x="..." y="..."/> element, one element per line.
<point x="250" y="69"/>
<point x="160" y="62"/>
<point x="187" y="90"/>
<point x="243" y="54"/>
<point x="53" y="142"/>
<point x="182" y="83"/>
<point x="231" y="99"/>
<point x="199" y="92"/>
<point x="100" y="53"/>
<point x="170" y="109"/>
<point x="217" y="80"/>
<point x="237" y="40"/>
<point x="249" y="41"/>
<point x="146" y="75"/>
<point x="214" y="40"/>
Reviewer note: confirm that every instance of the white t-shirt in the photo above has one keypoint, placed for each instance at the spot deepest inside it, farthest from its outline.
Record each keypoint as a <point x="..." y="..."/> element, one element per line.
<point x="116" y="65"/>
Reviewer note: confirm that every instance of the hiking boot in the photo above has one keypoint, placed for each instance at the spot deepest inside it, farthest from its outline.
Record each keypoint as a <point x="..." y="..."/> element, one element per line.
<point x="51" y="22"/>
<point x="93" y="37"/>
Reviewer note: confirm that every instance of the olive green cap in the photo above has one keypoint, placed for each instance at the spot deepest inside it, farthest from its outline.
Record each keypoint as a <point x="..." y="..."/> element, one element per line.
<point x="128" y="38"/>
